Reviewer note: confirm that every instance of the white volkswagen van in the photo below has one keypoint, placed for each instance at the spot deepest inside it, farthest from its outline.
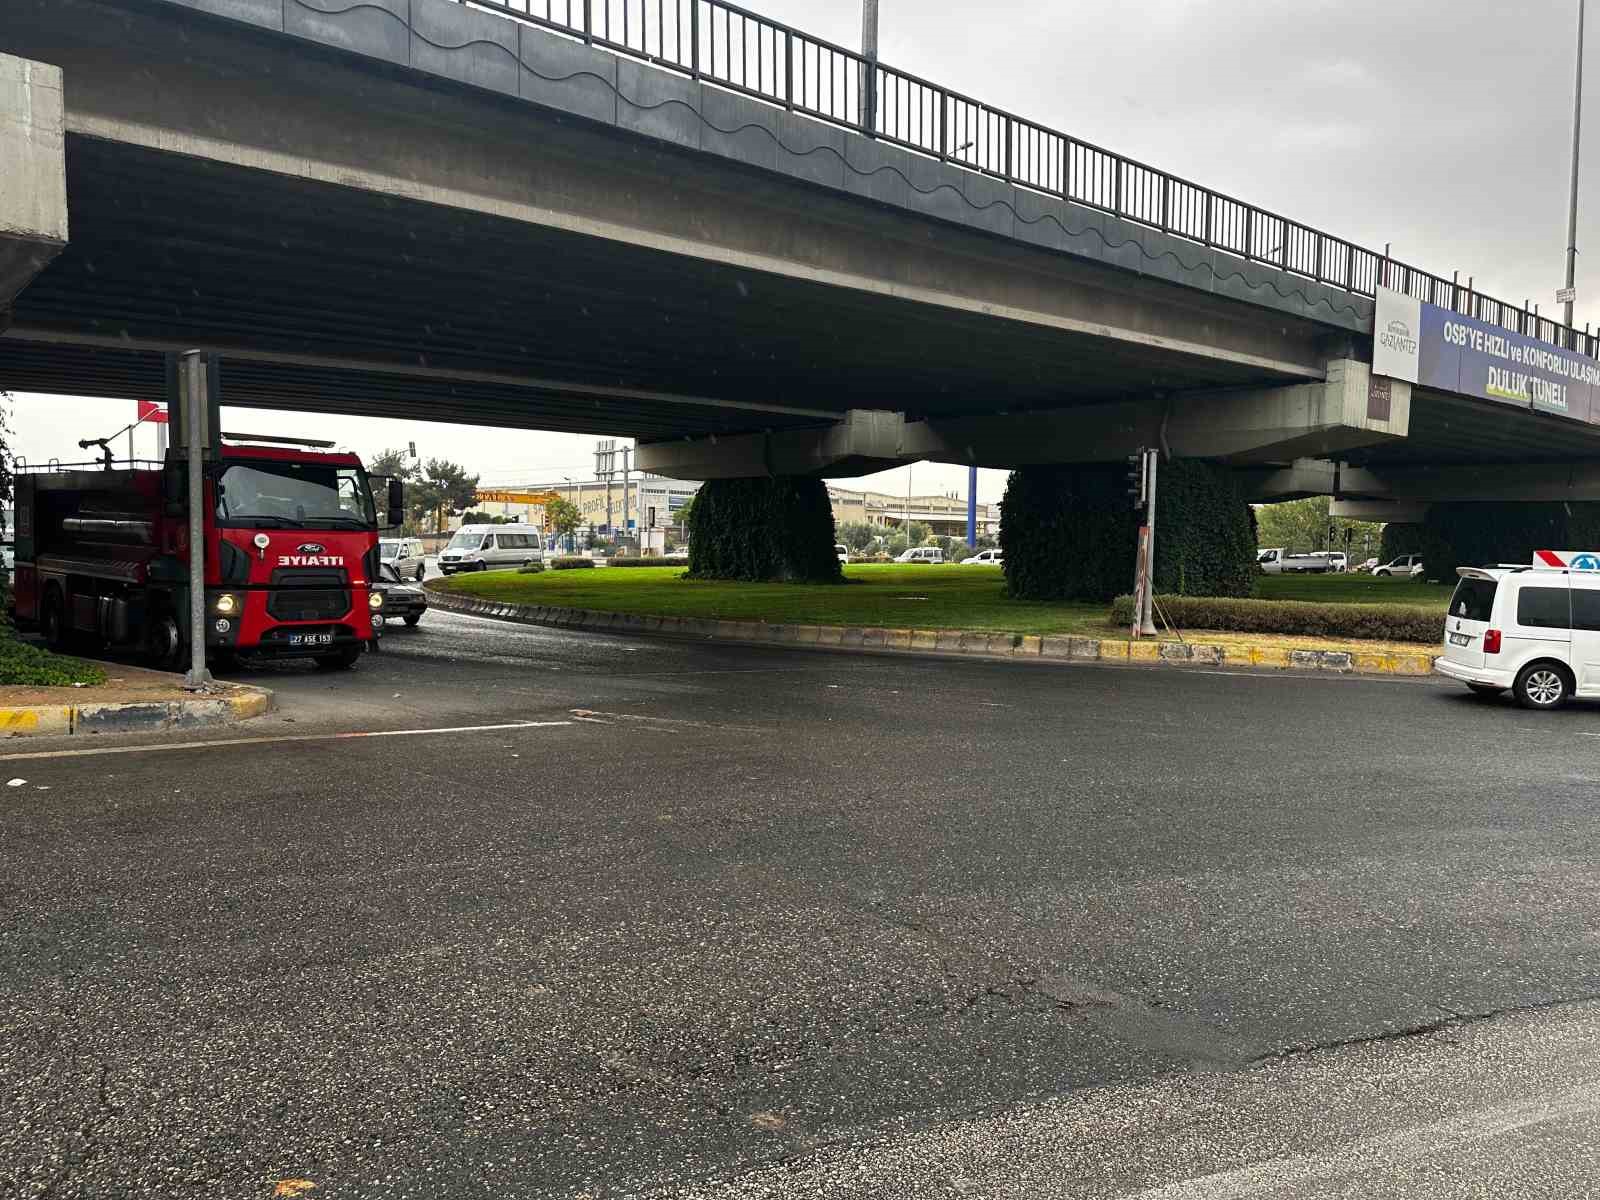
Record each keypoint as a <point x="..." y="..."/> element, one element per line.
<point x="1535" y="629"/>
<point x="491" y="547"/>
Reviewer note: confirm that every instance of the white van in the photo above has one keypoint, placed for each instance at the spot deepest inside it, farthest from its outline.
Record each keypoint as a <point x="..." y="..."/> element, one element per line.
<point x="491" y="547"/>
<point x="921" y="554"/>
<point x="405" y="555"/>
<point x="1535" y="630"/>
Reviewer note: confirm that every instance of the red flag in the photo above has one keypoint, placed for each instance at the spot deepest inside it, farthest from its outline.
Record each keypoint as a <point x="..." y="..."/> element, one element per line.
<point x="151" y="413"/>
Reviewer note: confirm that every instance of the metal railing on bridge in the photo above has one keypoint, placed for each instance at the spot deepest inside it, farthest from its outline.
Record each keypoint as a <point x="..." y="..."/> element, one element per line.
<point x="742" y="51"/>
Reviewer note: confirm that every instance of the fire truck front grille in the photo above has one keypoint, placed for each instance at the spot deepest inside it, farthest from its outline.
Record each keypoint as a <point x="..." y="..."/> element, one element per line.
<point x="308" y="594"/>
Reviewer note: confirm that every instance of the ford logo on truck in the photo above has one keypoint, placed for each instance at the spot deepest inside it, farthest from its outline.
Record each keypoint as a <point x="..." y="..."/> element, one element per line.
<point x="311" y="554"/>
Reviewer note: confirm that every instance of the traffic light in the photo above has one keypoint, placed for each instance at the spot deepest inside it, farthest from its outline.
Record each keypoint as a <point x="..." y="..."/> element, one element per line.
<point x="1136" y="479"/>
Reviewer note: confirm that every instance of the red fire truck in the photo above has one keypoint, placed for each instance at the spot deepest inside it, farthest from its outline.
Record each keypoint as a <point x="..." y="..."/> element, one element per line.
<point x="291" y="544"/>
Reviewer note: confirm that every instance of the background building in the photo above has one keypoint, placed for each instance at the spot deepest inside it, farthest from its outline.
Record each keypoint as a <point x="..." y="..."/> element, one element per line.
<point x="944" y="514"/>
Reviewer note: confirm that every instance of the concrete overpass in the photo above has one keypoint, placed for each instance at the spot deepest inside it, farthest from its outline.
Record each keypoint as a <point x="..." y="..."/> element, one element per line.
<point x="704" y="231"/>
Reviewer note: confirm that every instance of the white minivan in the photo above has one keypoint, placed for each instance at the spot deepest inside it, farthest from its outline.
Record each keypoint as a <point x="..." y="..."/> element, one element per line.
<point x="405" y="555"/>
<point x="491" y="547"/>
<point x="1535" y="630"/>
<point x="920" y="554"/>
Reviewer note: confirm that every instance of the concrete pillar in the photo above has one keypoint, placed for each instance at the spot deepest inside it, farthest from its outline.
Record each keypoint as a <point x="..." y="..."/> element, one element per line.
<point x="33" y="172"/>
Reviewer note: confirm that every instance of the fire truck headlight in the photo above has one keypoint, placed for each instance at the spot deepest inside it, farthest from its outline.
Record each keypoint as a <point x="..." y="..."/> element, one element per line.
<point x="374" y="600"/>
<point x="222" y="625"/>
<point x="226" y="603"/>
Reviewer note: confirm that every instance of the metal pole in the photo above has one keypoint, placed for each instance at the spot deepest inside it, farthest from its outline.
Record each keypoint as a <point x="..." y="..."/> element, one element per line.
<point x="194" y="389"/>
<point x="1147" y="626"/>
<point x="869" y="69"/>
<point x="1572" y="212"/>
<point x="972" y="508"/>
<point x="626" y="450"/>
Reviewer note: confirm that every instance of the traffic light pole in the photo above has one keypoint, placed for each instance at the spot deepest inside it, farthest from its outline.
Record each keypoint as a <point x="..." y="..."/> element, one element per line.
<point x="1147" y="626"/>
<point x="1142" y="487"/>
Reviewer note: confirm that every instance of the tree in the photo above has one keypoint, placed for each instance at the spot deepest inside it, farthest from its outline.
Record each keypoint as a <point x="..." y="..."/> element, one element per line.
<point x="442" y="487"/>
<point x="394" y="463"/>
<point x="684" y="512"/>
<point x="1304" y="525"/>
<point x="564" y="517"/>
<point x="858" y="535"/>
<point x="919" y="533"/>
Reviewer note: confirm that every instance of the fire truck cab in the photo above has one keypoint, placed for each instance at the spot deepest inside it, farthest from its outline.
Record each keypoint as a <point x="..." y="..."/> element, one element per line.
<point x="291" y="547"/>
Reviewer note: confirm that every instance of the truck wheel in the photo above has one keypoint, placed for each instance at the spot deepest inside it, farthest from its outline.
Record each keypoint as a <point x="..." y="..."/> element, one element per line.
<point x="53" y="624"/>
<point x="166" y="649"/>
<point x="343" y="660"/>
<point x="412" y="619"/>
<point x="421" y="571"/>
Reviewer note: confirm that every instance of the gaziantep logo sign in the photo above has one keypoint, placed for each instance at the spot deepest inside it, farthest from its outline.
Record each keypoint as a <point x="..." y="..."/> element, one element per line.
<point x="1396" y="334"/>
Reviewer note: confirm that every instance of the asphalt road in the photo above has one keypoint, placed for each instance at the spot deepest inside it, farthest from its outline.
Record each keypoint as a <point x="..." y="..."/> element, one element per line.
<point x="597" y="916"/>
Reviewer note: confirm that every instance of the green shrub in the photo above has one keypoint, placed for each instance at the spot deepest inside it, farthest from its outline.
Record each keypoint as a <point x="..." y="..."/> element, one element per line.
<point x="1070" y="532"/>
<point x="530" y="568"/>
<point x="570" y="563"/>
<point x="1478" y="533"/>
<point x="763" y="530"/>
<point x="28" y="665"/>
<point x="1377" y="622"/>
<point x="671" y="560"/>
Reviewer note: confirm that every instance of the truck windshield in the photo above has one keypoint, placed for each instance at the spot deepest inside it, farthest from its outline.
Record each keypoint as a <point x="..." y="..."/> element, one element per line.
<point x="465" y="541"/>
<point x="265" y="495"/>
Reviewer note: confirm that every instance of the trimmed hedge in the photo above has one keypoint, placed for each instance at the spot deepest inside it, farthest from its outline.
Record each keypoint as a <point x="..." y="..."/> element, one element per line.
<point x="633" y="560"/>
<point x="1377" y="622"/>
<point x="530" y="568"/>
<point x="571" y="563"/>
<point x="1477" y="533"/>
<point x="763" y="530"/>
<point x="1070" y="532"/>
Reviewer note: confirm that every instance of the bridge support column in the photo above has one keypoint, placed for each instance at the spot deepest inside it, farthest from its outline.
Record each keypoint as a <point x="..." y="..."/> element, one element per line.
<point x="763" y="530"/>
<point x="33" y="173"/>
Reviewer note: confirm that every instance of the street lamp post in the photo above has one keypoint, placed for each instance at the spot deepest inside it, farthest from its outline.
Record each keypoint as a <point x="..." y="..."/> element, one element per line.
<point x="1572" y="210"/>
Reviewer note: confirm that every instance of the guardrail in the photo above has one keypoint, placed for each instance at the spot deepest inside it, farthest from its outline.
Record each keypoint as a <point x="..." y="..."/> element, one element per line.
<point x="742" y="51"/>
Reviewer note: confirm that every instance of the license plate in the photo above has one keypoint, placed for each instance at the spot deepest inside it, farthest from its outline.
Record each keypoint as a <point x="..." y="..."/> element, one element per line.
<point x="1460" y="639"/>
<point x="311" y="639"/>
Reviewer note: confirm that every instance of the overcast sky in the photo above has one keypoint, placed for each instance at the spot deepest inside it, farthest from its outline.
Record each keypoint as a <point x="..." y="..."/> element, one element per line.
<point x="1441" y="126"/>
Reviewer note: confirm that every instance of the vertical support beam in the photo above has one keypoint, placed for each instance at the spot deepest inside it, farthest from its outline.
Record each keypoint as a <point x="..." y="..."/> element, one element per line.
<point x="972" y="508"/>
<point x="195" y="387"/>
<point x="1147" y="625"/>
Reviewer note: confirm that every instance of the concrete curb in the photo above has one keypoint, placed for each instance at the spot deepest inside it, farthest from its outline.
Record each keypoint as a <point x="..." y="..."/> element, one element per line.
<point x="945" y="641"/>
<point x="58" y="720"/>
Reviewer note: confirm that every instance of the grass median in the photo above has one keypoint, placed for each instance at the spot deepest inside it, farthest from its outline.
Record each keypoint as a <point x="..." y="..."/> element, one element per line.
<point x="889" y="596"/>
<point x="910" y="596"/>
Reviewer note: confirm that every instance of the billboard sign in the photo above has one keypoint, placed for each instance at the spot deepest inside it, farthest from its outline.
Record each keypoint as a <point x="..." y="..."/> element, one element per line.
<point x="1435" y="347"/>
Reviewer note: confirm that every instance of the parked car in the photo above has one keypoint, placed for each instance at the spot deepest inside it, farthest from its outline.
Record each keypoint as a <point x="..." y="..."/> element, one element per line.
<point x="405" y="555"/>
<point x="984" y="558"/>
<point x="483" y="547"/>
<point x="841" y="552"/>
<point x="1407" y="566"/>
<point x="921" y="554"/>
<point x="1531" y="629"/>
<point x="401" y="601"/>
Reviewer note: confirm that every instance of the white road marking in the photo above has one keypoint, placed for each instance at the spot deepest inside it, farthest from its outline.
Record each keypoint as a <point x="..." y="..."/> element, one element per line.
<point x="280" y="738"/>
<point x="592" y="717"/>
<point x="1439" y="1142"/>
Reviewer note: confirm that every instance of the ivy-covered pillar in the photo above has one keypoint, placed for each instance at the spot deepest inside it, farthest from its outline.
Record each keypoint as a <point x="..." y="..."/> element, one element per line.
<point x="1069" y="532"/>
<point x="763" y="530"/>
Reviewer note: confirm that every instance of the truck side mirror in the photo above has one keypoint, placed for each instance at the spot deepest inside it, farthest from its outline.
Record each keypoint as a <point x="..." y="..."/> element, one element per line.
<point x="397" y="504"/>
<point x="174" y="489"/>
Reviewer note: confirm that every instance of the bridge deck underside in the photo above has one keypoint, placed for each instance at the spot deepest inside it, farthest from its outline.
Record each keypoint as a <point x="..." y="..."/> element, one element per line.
<point x="169" y="250"/>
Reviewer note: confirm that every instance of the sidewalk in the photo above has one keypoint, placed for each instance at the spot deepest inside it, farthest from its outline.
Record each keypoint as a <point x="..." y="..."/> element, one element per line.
<point x="1224" y="649"/>
<point x="132" y="700"/>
